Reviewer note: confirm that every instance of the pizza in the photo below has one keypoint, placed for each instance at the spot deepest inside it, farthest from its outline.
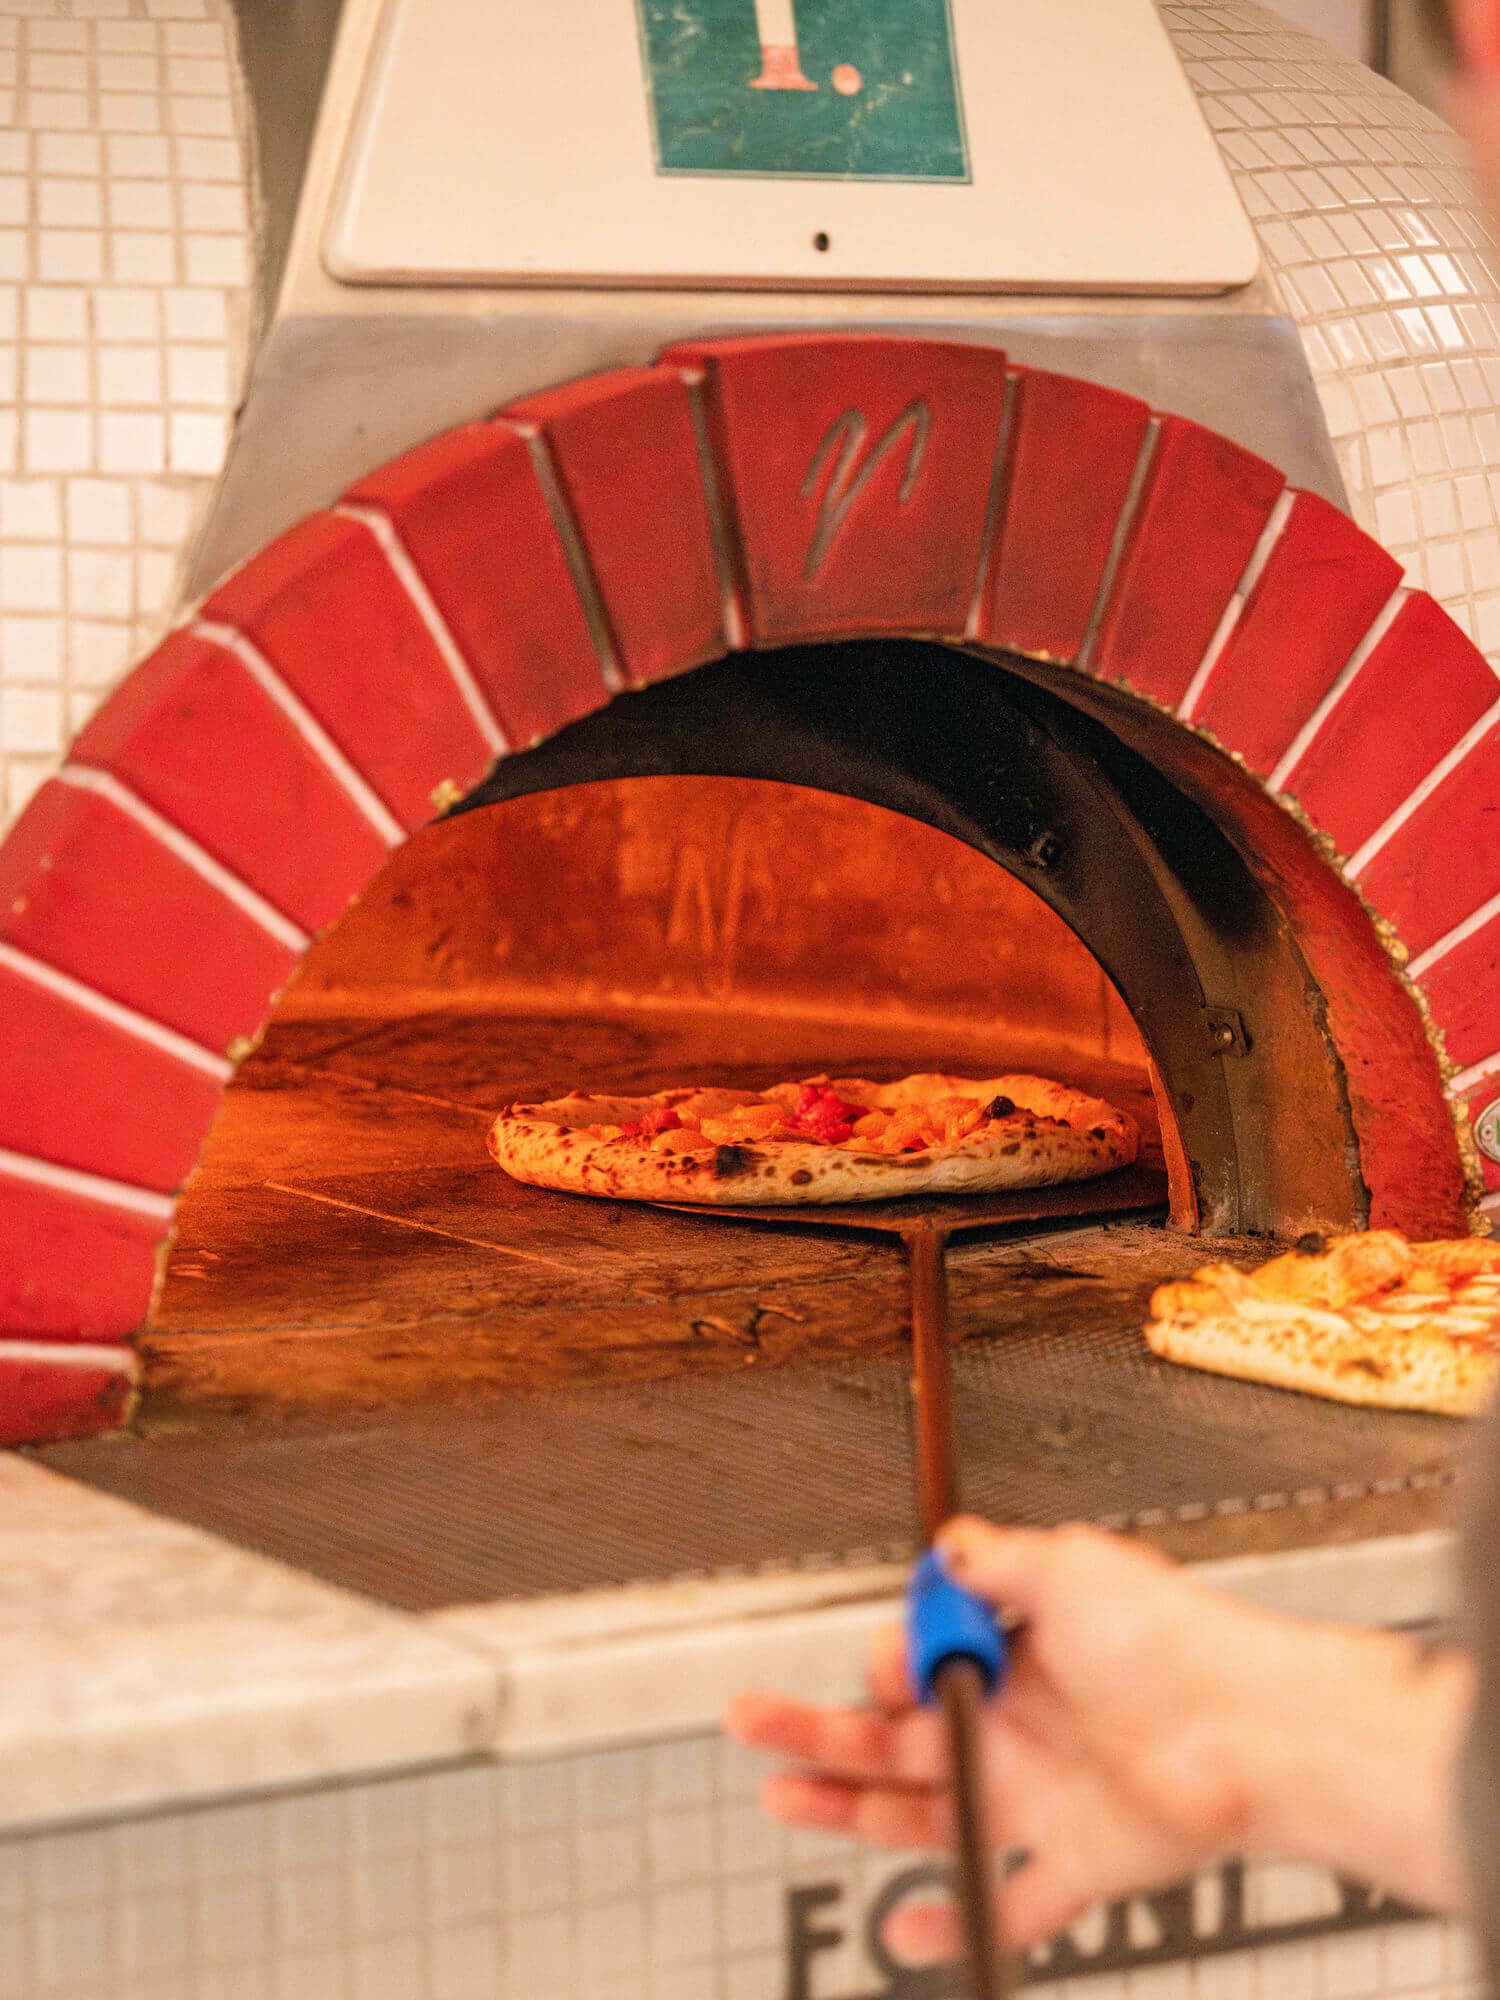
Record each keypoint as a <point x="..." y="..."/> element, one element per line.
<point x="816" y="1140"/>
<point x="1363" y="1319"/>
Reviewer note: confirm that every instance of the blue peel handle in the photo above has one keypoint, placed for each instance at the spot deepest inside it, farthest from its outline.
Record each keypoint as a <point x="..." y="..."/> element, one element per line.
<point x="946" y="1622"/>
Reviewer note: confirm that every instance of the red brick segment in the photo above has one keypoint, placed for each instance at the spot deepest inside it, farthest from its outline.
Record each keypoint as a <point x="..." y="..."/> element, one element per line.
<point x="858" y="472"/>
<point x="1072" y="451"/>
<point x="85" y="889"/>
<point x="626" y="459"/>
<point x="1420" y="690"/>
<point x="44" y="1401"/>
<point x="324" y="607"/>
<point x="1202" y="511"/>
<point x="1440" y="865"/>
<point x="1463" y="991"/>
<point x="80" y="1092"/>
<point x="1322" y="588"/>
<point x="88" y="1271"/>
<point x="472" y="516"/>
<point x="193" y="735"/>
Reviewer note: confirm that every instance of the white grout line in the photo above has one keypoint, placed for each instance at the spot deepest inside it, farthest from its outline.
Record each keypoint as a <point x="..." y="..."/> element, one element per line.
<point x="113" y="1360"/>
<point x="88" y="1187"/>
<point x="1460" y="934"/>
<point x="1464" y="1082"/>
<point x="411" y="581"/>
<point x="575" y="551"/>
<point x="1302" y="742"/>
<point x="307" y="726"/>
<point x="1130" y="507"/>
<point x="249" y="901"/>
<point x="993" y="523"/>
<point x="1260" y="555"/>
<point x="730" y="615"/>
<point x="1444" y="767"/>
<point x="140" y="1026"/>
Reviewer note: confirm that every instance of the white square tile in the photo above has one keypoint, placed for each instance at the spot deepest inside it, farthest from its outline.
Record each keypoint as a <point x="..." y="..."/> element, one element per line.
<point x="610" y="1857"/>
<point x="208" y="160"/>
<point x="232" y="1918"/>
<point x="537" y="1795"/>
<point x="129" y="111"/>
<point x="185" y="38"/>
<point x="462" y="1806"/>
<point x="58" y="440"/>
<point x="64" y="204"/>
<point x="15" y="254"/>
<point x="762" y="1977"/>
<point x="72" y="1944"/>
<point x="131" y="38"/>
<point x="15" y="152"/>
<point x="31" y="719"/>
<point x="1228" y="1976"/>
<point x="754" y="1913"/>
<point x="151" y="1853"/>
<point x="466" y="1963"/>
<point x="462" y="1883"/>
<point x="611" y="1939"/>
<point x="164" y="515"/>
<point x="216" y="260"/>
<point x="56" y="110"/>
<point x="213" y="206"/>
<point x="143" y="257"/>
<point x="101" y="583"/>
<point x="1412" y="1954"/>
<point x="681" y="1773"/>
<point x="539" y="1953"/>
<point x="536" y="1872"/>
<point x="15" y="199"/>
<point x="31" y="580"/>
<point x="1352" y="1965"/>
<point x="98" y="510"/>
<point x="46" y="71"/>
<point x="68" y="153"/>
<point x="195" y="315"/>
<point x="198" y="76"/>
<point x="308" y="1827"/>
<point x="390" y="1894"/>
<point x="68" y="256"/>
<point x="129" y="376"/>
<point x="140" y="204"/>
<point x="610" y="1783"/>
<point x="136" y="73"/>
<point x="308" y="1908"/>
<point x="200" y="117"/>
<point x="681" y="1845"/>
<point x="30" y="510"/>
<point x="1395" y="518"/>
<point x="235" y="1982"/>
<point x="396" y="1969"/>
<point x="15" y="1947"/>
<point x="388" y="1818"/>
<point x="682" y="1925"/>
<point x="10" y="312"/>
<point x="31" y="649"/>
<point x="133" y="156"/>
<point x="98" y="655"/>
<point x="56" y="312"/>
<point x="57" y="374"/>
<point x="1159" y="1982"/>
<point x="1288" y="1971"/>
<point x="153" y="1930"/>
<point x="315" y="1975"/>
<point x="127" y="312"/>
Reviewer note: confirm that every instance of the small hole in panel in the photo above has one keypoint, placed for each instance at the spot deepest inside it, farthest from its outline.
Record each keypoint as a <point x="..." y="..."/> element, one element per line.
<point x="822" y="241"/>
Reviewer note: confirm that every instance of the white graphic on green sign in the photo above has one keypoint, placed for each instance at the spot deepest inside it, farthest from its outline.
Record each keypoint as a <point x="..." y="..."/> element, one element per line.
<point x="850" y="89"/>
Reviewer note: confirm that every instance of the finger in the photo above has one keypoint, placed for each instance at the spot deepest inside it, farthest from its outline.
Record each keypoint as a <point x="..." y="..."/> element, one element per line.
<point x="848" y="1743"/>
<point x="1019" y="1567"/>
<point x="884" y="1815"/>
<point x="923" y="1933"/>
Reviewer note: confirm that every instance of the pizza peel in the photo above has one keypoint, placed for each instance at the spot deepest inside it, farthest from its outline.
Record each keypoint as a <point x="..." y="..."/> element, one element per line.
<point x="957" y="1652"/>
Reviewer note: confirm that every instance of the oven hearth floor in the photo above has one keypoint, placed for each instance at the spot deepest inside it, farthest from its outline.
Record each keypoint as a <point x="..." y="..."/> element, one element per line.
<point x="384" y="1363"/>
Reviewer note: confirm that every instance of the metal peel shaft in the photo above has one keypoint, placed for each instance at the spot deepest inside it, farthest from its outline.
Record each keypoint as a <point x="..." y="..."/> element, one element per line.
<point x="960" y="1684"/>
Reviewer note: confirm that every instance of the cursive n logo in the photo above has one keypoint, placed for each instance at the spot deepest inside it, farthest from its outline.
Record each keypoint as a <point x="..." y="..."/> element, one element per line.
<point x="843" y="443"/>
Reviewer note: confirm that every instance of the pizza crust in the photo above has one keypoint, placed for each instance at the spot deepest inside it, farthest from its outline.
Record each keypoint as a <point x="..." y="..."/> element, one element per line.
<point x="1053" y="1134"/>
<point x="1372" y="1320"/>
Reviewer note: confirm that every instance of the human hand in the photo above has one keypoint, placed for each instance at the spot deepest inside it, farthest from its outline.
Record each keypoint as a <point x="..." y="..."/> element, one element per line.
<point x="1147" y="1725"/>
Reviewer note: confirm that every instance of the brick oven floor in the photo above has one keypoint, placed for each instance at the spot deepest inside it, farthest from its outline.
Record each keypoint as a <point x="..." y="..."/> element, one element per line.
<point x="378" y="1359"/>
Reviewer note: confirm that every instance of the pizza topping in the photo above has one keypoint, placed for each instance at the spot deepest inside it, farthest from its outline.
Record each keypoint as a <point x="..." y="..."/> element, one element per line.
<point x="662" y="1118"/>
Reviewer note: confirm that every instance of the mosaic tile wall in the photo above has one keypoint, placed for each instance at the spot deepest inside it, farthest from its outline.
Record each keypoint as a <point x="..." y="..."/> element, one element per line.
<point x="124" y="257"/>
<point x="638" y="1874"/>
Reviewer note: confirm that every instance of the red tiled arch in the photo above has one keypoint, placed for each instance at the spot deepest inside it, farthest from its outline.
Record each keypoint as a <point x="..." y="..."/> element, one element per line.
<point x="489" y="587"/>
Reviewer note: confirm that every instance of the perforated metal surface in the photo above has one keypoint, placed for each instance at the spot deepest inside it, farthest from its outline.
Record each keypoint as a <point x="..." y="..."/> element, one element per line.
<point x="574" y="1489"/>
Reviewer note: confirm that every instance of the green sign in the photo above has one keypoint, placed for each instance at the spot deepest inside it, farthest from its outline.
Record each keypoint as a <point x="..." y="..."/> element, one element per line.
<point x="850" y="89"/>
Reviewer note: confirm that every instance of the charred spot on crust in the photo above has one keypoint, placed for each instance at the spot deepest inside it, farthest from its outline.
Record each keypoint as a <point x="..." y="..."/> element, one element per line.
<point x="1097" y="1132"/>
<point x="731" y="1160"/>
<point x="1311" y="1245"/>
<point x="801" y="1177"/>
<point x="999" y="1107"/>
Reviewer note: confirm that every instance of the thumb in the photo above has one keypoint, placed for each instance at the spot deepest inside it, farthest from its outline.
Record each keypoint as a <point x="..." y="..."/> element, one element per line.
<point x="1021" y="1568"/>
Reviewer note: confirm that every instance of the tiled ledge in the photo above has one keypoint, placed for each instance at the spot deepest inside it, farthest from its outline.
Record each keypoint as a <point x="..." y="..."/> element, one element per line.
<point x="144" y="1663"/>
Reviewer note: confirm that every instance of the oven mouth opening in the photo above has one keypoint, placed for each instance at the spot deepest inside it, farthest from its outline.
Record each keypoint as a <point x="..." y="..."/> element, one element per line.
<point x="352" y="1367"/>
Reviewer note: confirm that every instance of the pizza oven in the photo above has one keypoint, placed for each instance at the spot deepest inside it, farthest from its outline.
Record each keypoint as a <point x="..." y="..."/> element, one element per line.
<point x="798" y="648"/>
